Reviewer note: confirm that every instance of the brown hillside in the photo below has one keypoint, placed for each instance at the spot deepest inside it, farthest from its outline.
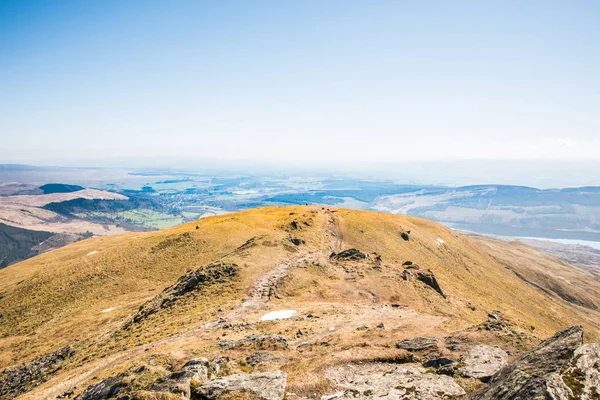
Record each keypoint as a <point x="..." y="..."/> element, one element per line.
<point x="176" y="293"/>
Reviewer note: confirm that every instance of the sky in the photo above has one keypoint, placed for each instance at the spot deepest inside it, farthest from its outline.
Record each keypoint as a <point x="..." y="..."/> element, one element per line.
<point x="345" y="82"/>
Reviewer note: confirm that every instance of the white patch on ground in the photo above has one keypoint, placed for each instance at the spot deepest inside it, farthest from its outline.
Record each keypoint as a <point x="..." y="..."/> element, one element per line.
<point x="109" y="309"/>
<point x="92" y="252"/>
<point x="440" y="241"/>
<point x="281" y="314"/>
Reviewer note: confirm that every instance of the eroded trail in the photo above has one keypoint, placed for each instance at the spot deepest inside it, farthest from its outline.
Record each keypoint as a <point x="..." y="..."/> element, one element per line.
<point x="334" y="232"/>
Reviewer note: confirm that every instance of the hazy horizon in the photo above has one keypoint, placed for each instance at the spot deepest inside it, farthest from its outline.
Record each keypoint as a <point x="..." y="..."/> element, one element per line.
<point x="542" y="174"/>
<point x="300" y="81"/>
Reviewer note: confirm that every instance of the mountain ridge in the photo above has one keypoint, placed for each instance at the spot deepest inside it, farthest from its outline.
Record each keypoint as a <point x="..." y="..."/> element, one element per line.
<point x="283" y="258"/>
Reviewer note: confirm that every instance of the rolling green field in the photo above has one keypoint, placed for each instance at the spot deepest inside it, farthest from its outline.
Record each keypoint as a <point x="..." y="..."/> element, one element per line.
<point x="152" y="219"/>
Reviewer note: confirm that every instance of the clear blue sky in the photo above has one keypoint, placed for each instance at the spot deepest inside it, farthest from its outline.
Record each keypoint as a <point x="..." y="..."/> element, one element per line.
<point x="299" y="80"/>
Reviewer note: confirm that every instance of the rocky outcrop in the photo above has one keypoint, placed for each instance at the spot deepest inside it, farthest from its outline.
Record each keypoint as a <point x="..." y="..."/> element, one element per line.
<point x="193" y="280"/>
<point x="428" y="278"/>
<point x="19" y="379"/>
<point x="417" y="344"/>
<point x="581" y="380"/>
<point x="349" y="255"/>
<point x="264" y="357"/>
<point x="259" y="342"/>
<point x="535" y="375"/>
<point x="360" y="382"/>
<point x="106" y="389"/>
<point x="481" y="361"/>
<point x="261" y="386"/>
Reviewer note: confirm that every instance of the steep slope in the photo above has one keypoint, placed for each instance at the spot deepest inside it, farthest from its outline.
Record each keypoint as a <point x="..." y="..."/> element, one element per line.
<point x="355" y="283"/>
<point x="17" y="244"/>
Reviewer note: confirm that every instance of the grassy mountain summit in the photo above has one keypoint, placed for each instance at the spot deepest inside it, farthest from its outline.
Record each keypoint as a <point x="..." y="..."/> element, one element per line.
<point x="349" y="285"/>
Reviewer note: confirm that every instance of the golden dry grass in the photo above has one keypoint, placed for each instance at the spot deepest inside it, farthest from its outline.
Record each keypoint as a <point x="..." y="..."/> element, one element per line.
<point x="58" y="297"/>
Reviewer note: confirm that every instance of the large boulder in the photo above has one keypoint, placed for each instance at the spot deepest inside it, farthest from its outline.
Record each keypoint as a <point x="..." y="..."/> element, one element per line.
<point x="482" y="361"/>
<point x="417" y="344"/>
<point x="179" y="382"/>
<point x="582" y="379"/>
<point x="105" y="389"/>
<point x="261" y="386"/>
<point x="413" y="383"/>
<point x="534" y="375"/>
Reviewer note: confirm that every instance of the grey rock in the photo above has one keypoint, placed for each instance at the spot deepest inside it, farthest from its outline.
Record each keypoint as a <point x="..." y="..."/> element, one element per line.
<point x="261" y="386"/>
<point x="264" y="357"/>
<point x="179" y="382"/>
<point x="429" y="279"/>
<point x="105" y="389"/>
<point x="482" y="361"/>
<point x="413" y="383"/>
<point x="350" y="254"/>
<point x="198" y="369"/>
<point x="259" y="341"/>
<point x="582" y="379"/>
<point x="533" y="375"/>
<point x="437" y="362"/>
<point x="416" y="344"/>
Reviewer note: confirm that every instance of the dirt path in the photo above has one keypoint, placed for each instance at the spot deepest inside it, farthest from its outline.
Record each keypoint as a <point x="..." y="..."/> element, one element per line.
<point x="334" y="232"/>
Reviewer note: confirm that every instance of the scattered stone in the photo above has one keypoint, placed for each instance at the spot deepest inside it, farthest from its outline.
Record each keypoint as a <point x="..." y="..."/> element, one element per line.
<point x="471" y="306"/>
<point x="299" y="334"/>
<point x="416" y="344"/>
<point x="534" y="374"/>
<point x="405" y="263"/>
<point x="261" y="386"/>
<point x="429" y="279"/>
<point x="482" y="361"/>
<point x="24" y="377"/>
<point x="404" y="235"/>
<point x="259" y="341"/>
<point x="406" y="274"/>
<point x="412" y="266"/>
<point x="294" y="225"/>
<point x="349" y="255"/>
<point x="381" y="326"/>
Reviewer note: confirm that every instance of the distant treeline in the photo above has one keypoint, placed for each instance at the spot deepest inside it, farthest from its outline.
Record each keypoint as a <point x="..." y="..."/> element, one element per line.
<point x="51" y="188"/>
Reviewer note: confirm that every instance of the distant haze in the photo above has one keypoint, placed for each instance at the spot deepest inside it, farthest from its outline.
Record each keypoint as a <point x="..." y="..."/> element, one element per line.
<point x="344" y="83"/>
